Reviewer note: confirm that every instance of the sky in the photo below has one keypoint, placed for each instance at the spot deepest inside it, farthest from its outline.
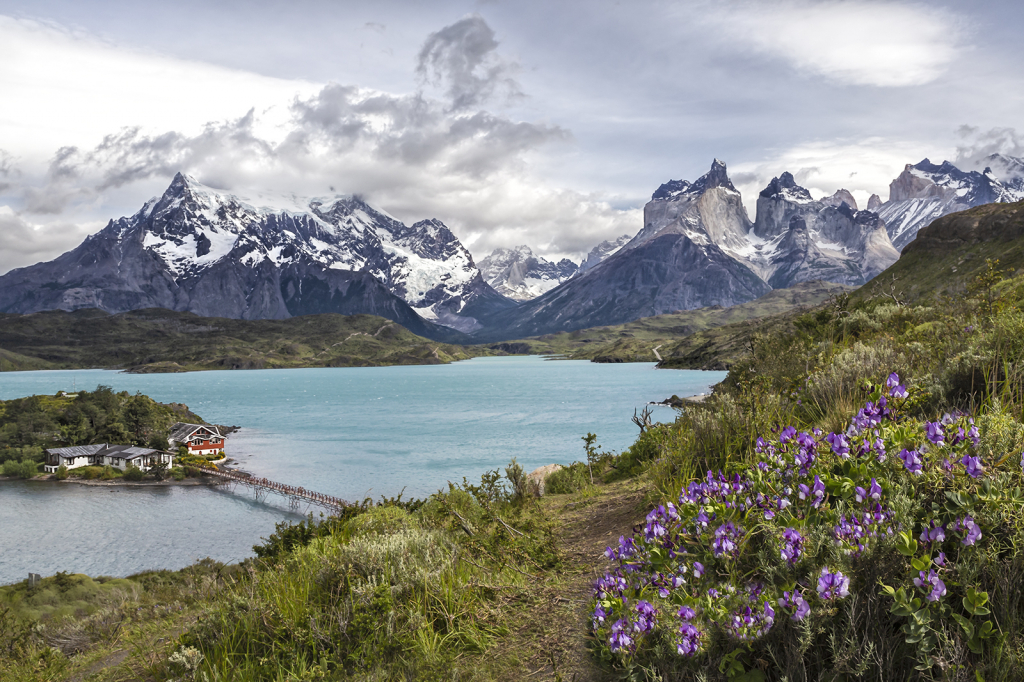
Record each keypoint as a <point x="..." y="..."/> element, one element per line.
<point x="529" y="122"/>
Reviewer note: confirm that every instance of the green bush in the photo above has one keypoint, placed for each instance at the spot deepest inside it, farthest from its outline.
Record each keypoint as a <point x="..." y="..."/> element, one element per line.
<point x="133" y="473"/>
<point x="177" y="473"/>
<point x="108" y="473"/>
<point x="62" y="473"/>
<point x="569" y="479"/>
<point x="24" y="469"/>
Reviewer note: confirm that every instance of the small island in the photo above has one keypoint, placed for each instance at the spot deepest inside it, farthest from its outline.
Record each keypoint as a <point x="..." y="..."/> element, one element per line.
<point x="101" y="435"/>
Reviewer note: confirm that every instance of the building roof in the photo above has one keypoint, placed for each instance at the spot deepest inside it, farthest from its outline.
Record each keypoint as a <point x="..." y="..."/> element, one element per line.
<point x="77" y="450"/>
<point x="181" y="431"/>
<point x="122" y="451"/>
<point x="128" y="451"/>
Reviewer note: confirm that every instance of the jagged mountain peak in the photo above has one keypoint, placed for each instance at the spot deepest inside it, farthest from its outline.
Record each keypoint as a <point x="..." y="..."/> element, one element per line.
<point x="718" y="176"/>
<point x="785" y="186"/>
<point x="520" y="275"/>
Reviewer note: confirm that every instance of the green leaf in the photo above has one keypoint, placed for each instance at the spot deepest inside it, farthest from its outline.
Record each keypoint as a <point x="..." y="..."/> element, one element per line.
<point x="975" y="645"/>
<point x="968" y="626"/>
<point x="888" y="590"/>
<point x="921" y="564"/>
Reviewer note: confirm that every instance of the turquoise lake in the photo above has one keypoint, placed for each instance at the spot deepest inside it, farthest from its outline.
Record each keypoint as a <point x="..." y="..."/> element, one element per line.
<point x="348" y="432"/>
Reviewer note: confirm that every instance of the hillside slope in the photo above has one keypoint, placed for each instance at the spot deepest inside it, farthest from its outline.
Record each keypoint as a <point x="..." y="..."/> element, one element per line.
<point x="157" y="340"/>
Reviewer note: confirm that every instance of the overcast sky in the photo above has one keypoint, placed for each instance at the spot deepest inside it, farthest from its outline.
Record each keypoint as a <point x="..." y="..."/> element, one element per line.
<point x="541" y="123"/>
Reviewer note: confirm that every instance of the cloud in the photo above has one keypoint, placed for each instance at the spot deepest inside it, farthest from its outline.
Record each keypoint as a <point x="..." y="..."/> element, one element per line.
<point x="858" y="42"/>
<point x="22" y="243"/>
<point x="978" y="146"/>
<point x="413" y="155"/>
<point x="462" y="59"/>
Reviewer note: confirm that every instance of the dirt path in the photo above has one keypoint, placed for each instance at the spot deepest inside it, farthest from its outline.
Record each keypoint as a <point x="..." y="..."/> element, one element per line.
<point x="556" y="638"/>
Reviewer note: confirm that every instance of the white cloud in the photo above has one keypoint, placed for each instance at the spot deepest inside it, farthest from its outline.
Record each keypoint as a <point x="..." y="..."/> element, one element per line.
<point x="413" y="155"/>
<point x="61" y="85"/>
<point x="859" y="42"/>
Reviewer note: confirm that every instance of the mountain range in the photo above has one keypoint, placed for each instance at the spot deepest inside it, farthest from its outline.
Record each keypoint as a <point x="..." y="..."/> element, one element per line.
<point x="201" y="250"/>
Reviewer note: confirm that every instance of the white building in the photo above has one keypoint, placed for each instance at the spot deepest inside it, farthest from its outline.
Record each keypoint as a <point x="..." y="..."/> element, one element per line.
<point x="117" y="456"/>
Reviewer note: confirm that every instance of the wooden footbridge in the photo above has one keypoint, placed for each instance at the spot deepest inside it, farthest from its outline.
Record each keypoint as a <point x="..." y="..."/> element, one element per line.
<point x="263" y="486"/>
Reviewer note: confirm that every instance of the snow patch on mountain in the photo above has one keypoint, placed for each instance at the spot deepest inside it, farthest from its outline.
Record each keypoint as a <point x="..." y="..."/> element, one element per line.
<point x="520" y="275"/>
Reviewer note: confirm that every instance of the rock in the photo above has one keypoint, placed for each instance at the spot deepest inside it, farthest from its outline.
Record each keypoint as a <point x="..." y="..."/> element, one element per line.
<point x="539" y="474"/>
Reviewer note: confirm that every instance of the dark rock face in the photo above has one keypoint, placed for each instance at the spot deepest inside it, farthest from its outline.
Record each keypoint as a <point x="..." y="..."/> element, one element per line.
<point x="926" y="191"/>
<point x="195" y="249"/>
<point x="666" y="273"/>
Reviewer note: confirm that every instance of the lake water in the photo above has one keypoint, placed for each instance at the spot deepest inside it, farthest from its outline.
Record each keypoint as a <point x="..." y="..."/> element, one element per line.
<point x="348" y="432"/>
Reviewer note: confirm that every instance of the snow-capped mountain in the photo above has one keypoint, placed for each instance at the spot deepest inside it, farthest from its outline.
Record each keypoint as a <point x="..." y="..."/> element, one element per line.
<point x="926" y="191"/>
<point x="699" y="248"/>
<point x="602" y="251"/>
<point x="212" y="253"/>
<point x="522" y="276"/>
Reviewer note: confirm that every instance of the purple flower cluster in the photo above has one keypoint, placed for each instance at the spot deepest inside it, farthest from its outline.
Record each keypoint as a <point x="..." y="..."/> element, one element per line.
<point x="751" y="622"/>
<point x="727" y="538"/>
<point x="833" y="585"/>
<point x="968" y="528"/>
<point x="856" y="528"/>
<point x="794" y="600"/>
<point x="912" y="461"/>
<point x="870" y="416"/>
<point x="932" y="584"/>
<point x="815" y="494"/>
<point x="792" y="545"/>
<point x="896" y="389"/>
<point x="972" y="466"/>
<point x="620" y="639"/>
<point x="689" y="636"/>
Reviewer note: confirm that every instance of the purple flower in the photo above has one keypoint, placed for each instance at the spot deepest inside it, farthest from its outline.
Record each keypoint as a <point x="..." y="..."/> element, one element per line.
<point x="934" y="532"/>
<point x="973" y="465"/>
<point x="893" y="381"/>
<point x="876" y="491"/>
<point x="933" y="431"/>
<point x="972" y="529"/>
<point x="726" y="537"/>
<point x="646" y="616"/>
<point x="818" y="491"/>
<point x="686" y="613"/>
<point x="931" y="582"/>
<point x="860" y="494"/>
<point x="941" y="559"/>
<point x="804" y="492"/>
<point x="796" y="601"/>
<point x="833" y="585"/>
<point x="792" y="545"/>
<point x="911" y="461"/>
<point x="899" y="392"/>
<point x="620" y="638"/>
<point x="973" y="434"/>
<point x="689" y="640"/>
<point x="599" y="616"/>
<point x="880" y="449"/>
<point x="787" y="434"/>
<point x="839" y="444"/>
<point x="698" y="569"/>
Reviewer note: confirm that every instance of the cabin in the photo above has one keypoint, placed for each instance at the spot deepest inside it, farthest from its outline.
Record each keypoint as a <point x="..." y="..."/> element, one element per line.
<point x="200" y="439"/>
<point x="117" y="456"/>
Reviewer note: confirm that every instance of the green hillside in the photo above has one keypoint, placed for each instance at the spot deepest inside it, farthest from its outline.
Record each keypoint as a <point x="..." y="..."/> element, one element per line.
<point x="636" y="341"/>
<point x="158" y="340"/>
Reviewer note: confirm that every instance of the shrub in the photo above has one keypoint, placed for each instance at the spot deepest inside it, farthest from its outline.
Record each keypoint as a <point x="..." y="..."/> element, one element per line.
<point x="62" y="473"/>
<point x="817" y="554"/>
<point x="569" y="479"/>
<point x="133" y="473"/>
<point x="177" y="473"/>
<point x="23" y="469"/>
<point x="107" y="473"/>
